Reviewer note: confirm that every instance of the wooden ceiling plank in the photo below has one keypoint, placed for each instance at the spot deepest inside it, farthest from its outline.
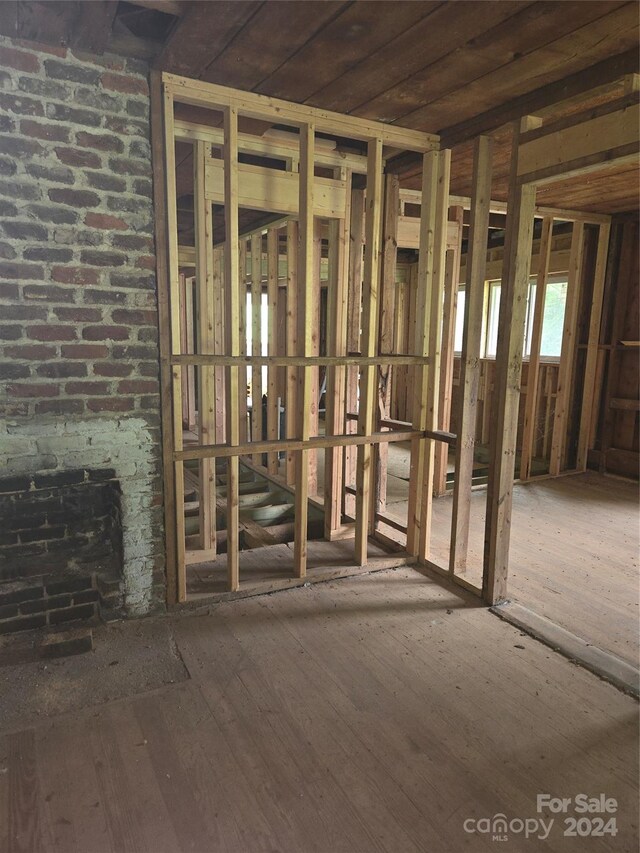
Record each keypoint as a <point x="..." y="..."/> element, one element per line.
<point x="202" y="33"/>
<point x="360" y="30"/>
<point x="275" y="33"/>
<point x="448" y="27"/>
<point x="524" y="31"/>
<point x="574" y="53"/>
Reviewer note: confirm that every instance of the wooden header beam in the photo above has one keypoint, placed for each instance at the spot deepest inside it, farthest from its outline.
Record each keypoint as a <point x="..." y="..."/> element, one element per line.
<point x="582" y="143"/>
<point x="201" y="94"/>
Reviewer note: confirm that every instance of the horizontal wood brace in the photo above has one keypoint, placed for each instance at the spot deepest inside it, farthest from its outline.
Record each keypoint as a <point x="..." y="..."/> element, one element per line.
<point x="391" y="522"/>
<point x="212" y="96"/>
<point x="313" y="443"/>
<point x="298" y="360"/>
<point x="408" y="236"/>
<point x="281" y="149"/>
<point x="274" y="191"/>
<point x="601" y="139"/>
<point x="561" y="213"/>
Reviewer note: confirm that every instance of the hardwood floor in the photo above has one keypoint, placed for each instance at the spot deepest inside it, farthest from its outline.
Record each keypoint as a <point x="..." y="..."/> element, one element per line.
<point x="575" y="543"/>
<point x="374" y="713"/>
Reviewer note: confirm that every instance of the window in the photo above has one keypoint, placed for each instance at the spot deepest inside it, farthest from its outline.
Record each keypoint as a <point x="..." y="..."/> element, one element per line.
<point x="457" y="338"/>
<point x="552" y="318"/>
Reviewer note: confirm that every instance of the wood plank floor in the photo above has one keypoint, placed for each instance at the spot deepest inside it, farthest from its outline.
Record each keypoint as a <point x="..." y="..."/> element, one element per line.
<point x="375" y="713"/>
<point x="575" y="543"/>
<point x="269" y="569"/>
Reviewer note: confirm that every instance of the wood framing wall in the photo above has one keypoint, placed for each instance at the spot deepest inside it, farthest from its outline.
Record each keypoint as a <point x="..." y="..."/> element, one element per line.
<point x="340" y="310"/>
<point x="212" y="315"/>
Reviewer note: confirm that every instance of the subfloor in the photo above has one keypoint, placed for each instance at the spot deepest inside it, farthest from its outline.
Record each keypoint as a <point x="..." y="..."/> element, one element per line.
<point x="375" y="713"/>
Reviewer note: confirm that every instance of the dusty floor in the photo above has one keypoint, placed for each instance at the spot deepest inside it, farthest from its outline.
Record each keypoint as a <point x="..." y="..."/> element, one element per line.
<point x="374" y="713"/>
<point x="128" y="658"/>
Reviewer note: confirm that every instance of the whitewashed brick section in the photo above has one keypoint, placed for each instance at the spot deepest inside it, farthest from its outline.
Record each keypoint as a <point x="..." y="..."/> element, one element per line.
<point x="127" y="446"/>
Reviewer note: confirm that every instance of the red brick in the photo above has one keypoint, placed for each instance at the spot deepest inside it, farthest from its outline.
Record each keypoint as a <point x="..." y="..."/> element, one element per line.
<point x="34" y="390"/>
<point x="10" y="270"/>
<point x="74" y="198"/>
<point x="33" y="352"/>
<point x="51" y="333"/>
<point x="16" y="410"/>
<point x="105" y="333"/>
<point x="77" y="157"/>
<point x="48" y="293"/>
<point x="111" y="404"/>
<point x="96" y="388"/>
<point x="23" y="312"/>
<point x="134" y="317"/>
<point x="108" y="368"/>
<point x="54" y="50"/>
<point x="79" y="315"/>
<point x="53" y="132"/>
<point x="9" y="291"/>
<point x="146" y="262"/>
<point x="60" y="407"/>
<point x="19" y="60"/>
<point x="10" y="332"/>
<point x="84" y="351"/>
<point x="103" y="220"/>
<point x="138" y="386"/>
<point x="75" y="275"/>
<point x="121" y="83"/>
<point x="102" y="142"/>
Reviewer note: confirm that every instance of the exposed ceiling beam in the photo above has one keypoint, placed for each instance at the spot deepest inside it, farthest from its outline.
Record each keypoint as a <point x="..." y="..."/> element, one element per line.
<point x="604" y="72"/>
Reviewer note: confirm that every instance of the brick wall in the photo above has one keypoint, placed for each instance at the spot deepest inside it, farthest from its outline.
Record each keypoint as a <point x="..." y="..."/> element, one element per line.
<point x="78" y="316"/>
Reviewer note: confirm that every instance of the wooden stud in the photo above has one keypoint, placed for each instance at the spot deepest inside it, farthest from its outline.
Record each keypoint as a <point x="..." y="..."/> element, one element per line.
<point x="470" y="358"/>
<point x="508" y="368"/>
<point x="370" y="294"/>
<point x="291" y="410"/>
<point x="273" y="406"/>
<point x="335" y="396"/>
<point x="256" y="340"/>
<point x="235" y="291"/>
<point x="187" y="345"/>
<point x="590" y="385"/>
<point x="451" y="282"/>
<point x="219" y="340"/>
<point x="531" y="401"/>
<point x="176" y="388"/>
<point x="419" y="319"/>
<point x="206" y="378"/>
<point x="354" y="304"/>
<point x="314" y="375"/>
<point x="242" y="309"/>
<point x="436" y="297"/>
<point x="386" y="329"/>
<point x="567" y="354"/>
<point x="305" y="344"/>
